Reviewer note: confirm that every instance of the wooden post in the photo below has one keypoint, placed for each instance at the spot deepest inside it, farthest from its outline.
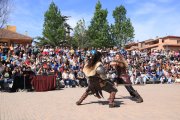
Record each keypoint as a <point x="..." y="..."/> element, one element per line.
<point x="9" y="42"/>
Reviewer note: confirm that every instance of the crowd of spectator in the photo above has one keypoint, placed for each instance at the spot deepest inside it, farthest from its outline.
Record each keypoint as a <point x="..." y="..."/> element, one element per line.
<point x="156" y="66"/>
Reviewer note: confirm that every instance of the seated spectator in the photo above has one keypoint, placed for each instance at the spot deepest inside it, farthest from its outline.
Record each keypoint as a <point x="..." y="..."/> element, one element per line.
<point x="144" y="77"/>
<point x="72" y="79"/>
<point x="22" y="79"/>
<point x="7" y="74"/>
<point x="162" y="79"/>
<point x="6" y="78"/>
<point x="51" y="71"/>
<point x="81" y="78"/>
<point x="153" y="74"/>
<point x="159" y="73"/>
<point x="138" y="77"/>
<point x="43" y="71"/>
<point x="169" y="77"/>
<point x="133" y="78"/>
<point x="59" y="81"/>
<point x="65" y="77"/>
<point x="177" y="79"/>
<point x="75" y="68"/>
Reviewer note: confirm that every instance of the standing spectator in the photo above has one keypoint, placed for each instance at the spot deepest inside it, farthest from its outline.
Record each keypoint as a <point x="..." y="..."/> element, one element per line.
<point x="5" y="49"/>
<point x="51" y="51"/>
<point x="29" y="50"/>
<point x="35" y="50"/>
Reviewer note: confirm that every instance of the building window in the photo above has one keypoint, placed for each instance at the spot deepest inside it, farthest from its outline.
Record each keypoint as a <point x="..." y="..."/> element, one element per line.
<point x="155" y="42"/>
<point x="162" y="41"/>
<point x="178" y="41"/>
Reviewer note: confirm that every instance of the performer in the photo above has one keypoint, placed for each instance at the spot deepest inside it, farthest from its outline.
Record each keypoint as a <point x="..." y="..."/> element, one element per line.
<point x="96" y="76"/>
<point x="123" y="78"/>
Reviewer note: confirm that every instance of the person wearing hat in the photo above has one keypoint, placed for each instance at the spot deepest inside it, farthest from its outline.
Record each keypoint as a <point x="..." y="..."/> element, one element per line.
<point x="96" y="76"/>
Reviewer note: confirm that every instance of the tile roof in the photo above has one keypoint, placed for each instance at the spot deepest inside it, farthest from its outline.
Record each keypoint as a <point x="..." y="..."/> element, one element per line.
<point x="7" y="34"/>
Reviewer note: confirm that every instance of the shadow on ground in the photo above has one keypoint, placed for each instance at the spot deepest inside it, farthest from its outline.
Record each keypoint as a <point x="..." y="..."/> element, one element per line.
<point x="118" y="103"/>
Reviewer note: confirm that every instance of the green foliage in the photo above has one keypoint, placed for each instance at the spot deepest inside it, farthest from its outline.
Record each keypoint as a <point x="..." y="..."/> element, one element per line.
<point x="99" y="34"/>
<point x="99" y="31"/>
<point x="80" y="38"/>
<point x="122" y="30"/>
<point x="54" y="26"/>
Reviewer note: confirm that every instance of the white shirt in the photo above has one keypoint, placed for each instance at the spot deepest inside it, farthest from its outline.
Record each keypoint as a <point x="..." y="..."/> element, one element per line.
<point x="72" y="76"/>
<point x="65" y="75"/>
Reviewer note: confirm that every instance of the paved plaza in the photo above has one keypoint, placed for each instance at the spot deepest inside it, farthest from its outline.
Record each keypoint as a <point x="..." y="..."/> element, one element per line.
<point x="161" y="102"/>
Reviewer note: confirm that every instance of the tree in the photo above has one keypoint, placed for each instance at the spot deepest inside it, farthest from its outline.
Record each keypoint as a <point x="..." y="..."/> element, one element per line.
<point x="122" y="30"/>
<point x="80" y="38"/>
<point x="4" y="12"/>
<point x="54" y="28"/>
<point x="98" y="32"/>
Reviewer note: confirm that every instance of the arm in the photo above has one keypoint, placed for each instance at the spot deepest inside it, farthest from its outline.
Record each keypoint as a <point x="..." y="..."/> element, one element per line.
<point x="62" y="76"/>
<point x="113" y="63"/>
<point x="39" y="71"/>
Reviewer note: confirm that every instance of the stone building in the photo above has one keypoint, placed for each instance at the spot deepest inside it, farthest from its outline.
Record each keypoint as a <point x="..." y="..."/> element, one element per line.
<point x="164" y="43"/>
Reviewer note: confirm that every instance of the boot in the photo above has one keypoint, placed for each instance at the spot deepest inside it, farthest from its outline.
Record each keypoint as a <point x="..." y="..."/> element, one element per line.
<point x="134" y="94"/>
<point x="138" y="97"/>
<point x="82" y="98"/>
<point x="130" y="89"/>
<point x="111" y="100"/>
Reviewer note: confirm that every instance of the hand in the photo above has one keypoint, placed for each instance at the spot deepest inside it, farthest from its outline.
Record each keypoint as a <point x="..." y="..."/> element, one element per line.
<point x="113" y="63"/>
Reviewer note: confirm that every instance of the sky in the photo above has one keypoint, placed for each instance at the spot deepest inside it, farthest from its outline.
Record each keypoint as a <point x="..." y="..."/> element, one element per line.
<point x="150" y="18"/>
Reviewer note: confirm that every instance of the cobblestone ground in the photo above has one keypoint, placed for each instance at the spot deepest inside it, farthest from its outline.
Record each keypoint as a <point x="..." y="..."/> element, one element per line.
<point x="161" y="102"/>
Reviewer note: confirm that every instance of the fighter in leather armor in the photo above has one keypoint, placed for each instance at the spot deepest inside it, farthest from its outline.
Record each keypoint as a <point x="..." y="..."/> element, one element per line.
<point x="123" y="77"/>
<point x="96" y="76"/>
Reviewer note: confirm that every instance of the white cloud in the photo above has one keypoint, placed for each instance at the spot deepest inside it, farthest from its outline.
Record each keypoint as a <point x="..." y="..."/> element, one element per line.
<point x="157" y="26"/>
<point x="153" y="8"/>
<point x="142" y="29"/>
<point x="145" y="9"/>
<point x="77" y="16"/>
<point x="151" y="20"/>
